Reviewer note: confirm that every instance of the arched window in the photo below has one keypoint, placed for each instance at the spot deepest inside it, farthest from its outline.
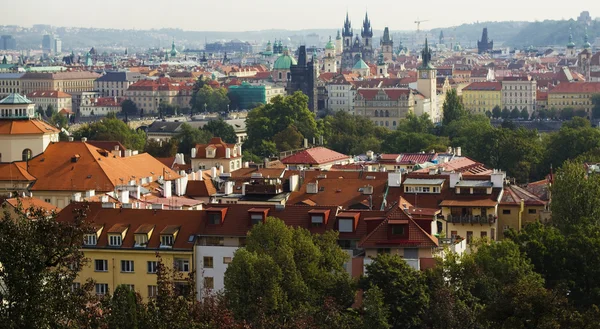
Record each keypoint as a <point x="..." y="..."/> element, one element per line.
<point x="280" y="76"/>
<point x="26" y="155"/>
<point x="387" y="113"/>
<point x="376" y="113"/>
<point x="394" y="123"/>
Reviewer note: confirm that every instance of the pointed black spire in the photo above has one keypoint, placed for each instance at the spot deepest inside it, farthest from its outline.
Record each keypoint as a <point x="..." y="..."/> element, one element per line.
<point x="347" y="31"/>
<point x="366" y="30"/>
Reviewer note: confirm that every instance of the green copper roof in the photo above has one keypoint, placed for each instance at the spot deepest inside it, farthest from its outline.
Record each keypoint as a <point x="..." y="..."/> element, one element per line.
<point x="284" y="62"/>
<point x="360" y="65"/>
<point x="586" y="43"/>
<point x="15" y="99"/>
<point x="173" y="50"/>
<point x="329" y="44"/>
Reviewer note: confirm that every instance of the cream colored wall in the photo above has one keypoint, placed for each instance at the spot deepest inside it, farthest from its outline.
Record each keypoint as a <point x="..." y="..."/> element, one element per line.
<point x="12" y="146"/>
<point x="229" y="165"/>
<point x="477" y="101"/>
<point x="57" y="198"/>
<point x="140" y="278"/>
<point x="476" y="228"/>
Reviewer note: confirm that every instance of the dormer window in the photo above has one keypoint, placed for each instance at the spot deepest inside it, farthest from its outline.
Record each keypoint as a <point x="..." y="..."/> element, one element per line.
<point x="90" y="239"/>
<point x="347" y="222"/>
<point x="115" y="240"/>
<point x="166" y="241"/>
<point x="318" y="217"/>
<point x="216" y="216"/>
<point x="398" y="229"/>
<point x="258" y="215"/>
<point x="142" y="235"/>
<point x="141" y="240"/>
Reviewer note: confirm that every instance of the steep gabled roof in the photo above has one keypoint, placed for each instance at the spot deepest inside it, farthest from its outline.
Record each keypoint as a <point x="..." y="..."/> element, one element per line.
<point x="315" y="156"/>
<point x="26" y="127"/>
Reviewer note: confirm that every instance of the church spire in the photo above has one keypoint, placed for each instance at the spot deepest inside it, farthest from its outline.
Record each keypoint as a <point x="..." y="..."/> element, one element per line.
<point x="347" y="31"/>
<point x="366" y="31"/>
<point x="426" y="56"/>
<point x="4" y="61"/>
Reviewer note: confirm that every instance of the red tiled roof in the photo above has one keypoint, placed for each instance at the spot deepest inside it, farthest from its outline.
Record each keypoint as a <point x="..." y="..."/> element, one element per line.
<point x="26" y="127"/>
<point x="315" y="156"/>
<point x="219" y="145"/>
<point x="48" y="94"/>
<point x="15" y="171"/>
<point x="200" y="188"/>
<point x="514" y="194"/>
<point x="29" y="202"/>
<point x="576" y="87"/>
<point x="417" y="158"/>
<point x="484" y="86"/>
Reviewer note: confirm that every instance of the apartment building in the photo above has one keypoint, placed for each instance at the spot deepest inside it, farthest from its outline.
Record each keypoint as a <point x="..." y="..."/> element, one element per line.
<point x="10" y="83"/>
<point x="385" y="106"/>
<point x="57" y="99"/>
<point x="519" y="92"/>
<point x="481" y="97"/>
<point x="575" y="95"/>
<point x="115" y="84"/>
<point x="149" y="94"/>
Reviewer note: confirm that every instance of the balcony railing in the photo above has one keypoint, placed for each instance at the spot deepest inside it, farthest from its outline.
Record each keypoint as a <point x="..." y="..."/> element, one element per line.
<point x="471" y="219"/>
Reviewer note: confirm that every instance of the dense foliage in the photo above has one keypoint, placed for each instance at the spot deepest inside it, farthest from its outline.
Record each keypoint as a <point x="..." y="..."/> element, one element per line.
<point x="112" y="129"/>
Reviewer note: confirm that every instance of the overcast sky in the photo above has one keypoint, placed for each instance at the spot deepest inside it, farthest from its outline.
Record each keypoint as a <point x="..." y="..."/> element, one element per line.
<point x="247" y="15"/>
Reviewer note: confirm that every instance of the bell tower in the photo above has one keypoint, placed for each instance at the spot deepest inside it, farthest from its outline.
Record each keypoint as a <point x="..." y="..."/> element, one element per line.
<point x="426" y="80"/>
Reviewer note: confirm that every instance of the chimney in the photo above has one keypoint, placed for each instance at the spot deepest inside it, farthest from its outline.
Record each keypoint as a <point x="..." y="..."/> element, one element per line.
<point x="458" y="151"/>
<point x="312" y="188"/>
<point x="432" y="171"/>
<point x="84" y="139"/>
<point x="228" y="188"/>
<point x="124" y="196"/>
<point x="497" y="178"/>
<point x="135" y="192"/>
<point x="221" y="170"/>
<point x="77" y="197"/>
<point x="128" y="153"/>
<point x="200" y="175"/>
<point x="454" y="179"/>
<point x="227" y="153"/>
<point x="306" y="143"/>
<point x="394" y="179"/>
<point x="104" y="198"/>
<point x="167" y="189"/>
<point x="90" y="193"/>
<point x="193" y="153"/>
<point x="213" y="172"/>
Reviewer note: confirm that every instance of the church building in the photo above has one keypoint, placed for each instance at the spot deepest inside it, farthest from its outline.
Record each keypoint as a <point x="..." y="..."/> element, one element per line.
<point x="357" y="48"/>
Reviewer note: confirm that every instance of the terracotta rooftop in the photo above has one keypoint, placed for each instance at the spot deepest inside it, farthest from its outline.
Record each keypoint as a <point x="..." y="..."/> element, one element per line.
<point x="15" y="171"/>
<point x="315" y="156"/>
<point x="514" y="194"/>
<point x="26" y="127"/>
<point x="576" y="87"/>
<point x="79" y="166"/>
<point x="484" y="86"/>
<point x="29" y="202"/>
<point x="219" y="145"/>
<point x="48" y="94"/>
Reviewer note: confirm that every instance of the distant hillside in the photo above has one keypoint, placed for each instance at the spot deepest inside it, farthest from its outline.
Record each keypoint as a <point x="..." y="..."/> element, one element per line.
<point x="467" y="34"/>
<point x="554" y="33"/>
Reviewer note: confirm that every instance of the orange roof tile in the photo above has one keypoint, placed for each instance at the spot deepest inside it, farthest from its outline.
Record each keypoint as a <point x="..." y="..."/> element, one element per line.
<point x="15" y="171"/>
<point x="26" y="127"/>
<point x="315" y="155"/>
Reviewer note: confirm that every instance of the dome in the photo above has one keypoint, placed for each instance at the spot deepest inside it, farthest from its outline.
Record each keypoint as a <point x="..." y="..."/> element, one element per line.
<point x="329" y="44"/>
<point x="284" y="62"/>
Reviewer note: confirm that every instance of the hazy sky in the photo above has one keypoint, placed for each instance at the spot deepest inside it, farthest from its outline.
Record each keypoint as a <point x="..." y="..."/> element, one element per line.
<point x="246" y="15"/>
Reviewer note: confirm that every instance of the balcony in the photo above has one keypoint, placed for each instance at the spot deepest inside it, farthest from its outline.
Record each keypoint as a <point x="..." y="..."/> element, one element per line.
<point x="471" y="219"/>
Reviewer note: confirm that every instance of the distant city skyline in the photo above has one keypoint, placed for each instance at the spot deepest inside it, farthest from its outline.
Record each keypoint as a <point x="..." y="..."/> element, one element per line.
<point x="236" y="15"/>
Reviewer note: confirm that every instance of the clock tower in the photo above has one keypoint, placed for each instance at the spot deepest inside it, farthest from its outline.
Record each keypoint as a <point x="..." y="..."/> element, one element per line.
<point x="426" y="80"/>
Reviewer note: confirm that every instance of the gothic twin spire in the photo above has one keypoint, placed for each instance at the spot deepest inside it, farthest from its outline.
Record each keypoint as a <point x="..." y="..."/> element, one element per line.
<point x="366" y="30"/>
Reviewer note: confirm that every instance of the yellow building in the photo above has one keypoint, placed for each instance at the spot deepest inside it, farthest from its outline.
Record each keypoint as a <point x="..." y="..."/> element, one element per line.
<point x="127" y="244"/>
<point x="519" y="207"/>
<point x="480" y="97"/>
<point x="68" y="82"/>
<point x="575" y="95"/>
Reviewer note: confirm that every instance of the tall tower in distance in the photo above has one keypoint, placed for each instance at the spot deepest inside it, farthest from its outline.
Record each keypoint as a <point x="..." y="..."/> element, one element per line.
<point x="426" y="81"/>
<point x="347" y="33"/>
<point x="485" y="45"/>
<point x="387" y="45"/>
<point x="330" y="60"/>
<point x="367" y="38"/>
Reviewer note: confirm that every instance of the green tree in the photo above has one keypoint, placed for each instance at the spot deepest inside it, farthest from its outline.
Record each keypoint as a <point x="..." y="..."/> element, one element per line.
<point x="124" y="309"/>
<point x="416" y="124"/>
<point x="288" y="139"/>
<point x="351" y="134"/>
<point x="40" y="259"/>
<point x="284" y="272"/>
<point x="161" y="149"/>
<point x="452" y="108"/>
<point x="207" y="99"/>
<point x="553" y="113"/>
<point x="524" y="114"/>
<point x="505" y="113"/>
<point x="574" y="138"/>
<point x="400" y="141"/>
<point x="515" y="113"/>
<point x="580" y="113"/>
<point x="543" y="113"/>
<point x="199" y="84"/>
<point x="567" y="113"/>
<point x="49" y="111"/>
<point x="404" y="289"/>
<point x="129" y="107"/>
<point x="488" y="114"/>
<point x="189" y="136"/>
<point x="59" y="120"/>
<point x="265" y="121"/>
<point x="40" y="111"/>
<point x="376" y="312"/>
<point x="112" y="129"/>
<point x="220" y="128"/>
<point x="165" y="108"/>
<point x="596" y="108"/>
<point x="496" y="112"/>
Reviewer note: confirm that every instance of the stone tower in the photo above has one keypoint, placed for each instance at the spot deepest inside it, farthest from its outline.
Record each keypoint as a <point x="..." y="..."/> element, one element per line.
<point x="382" y="66"/>
<point x="426" y="80"/>
<point x="330" y="60"/>
<point x="485" y="45"/>
<point x="367" y="39"/>
<point x="347" y="33"/>
<point x="387" y="45"/>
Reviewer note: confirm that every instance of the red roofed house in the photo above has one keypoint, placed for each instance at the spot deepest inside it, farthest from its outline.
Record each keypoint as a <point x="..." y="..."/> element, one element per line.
<point x="405" y="161"/>
<point x="58" y="99"/>
<point x="148" y="94"/>
<point x="216" y="154"/>
<point x="518" y="207"/>
<point x="22" y="136"/>
<point x="316" y="158"/>
<point x="576" y="95"/>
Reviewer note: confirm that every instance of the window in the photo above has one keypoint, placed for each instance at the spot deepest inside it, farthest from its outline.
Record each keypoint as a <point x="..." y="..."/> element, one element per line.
<point x="345" y="225"/>
<point x="183" y="265"/>
<point x="398" y="229"/>
<point x="531" y="211"/>
<point x="101" y="265"/>
<point x="469" y="236"/>
<point x="226" y="260"/>
<point x="214" y="218"/>
<point x="152" y="291"/>
<point x="141" y="240"/>
<point x="101" y="288"/>
<point x="208" y="262"/>
<point x="383" y="250"/>
<point x="316" y="219"/>
<point x="209" y="282"/>
<point x="166" y="241"/>
<point x="127" y="266"/>
<point x="114" y="240"/>
<point x="483" y="234"/>
<point x="505" y="211"/>
<point x="214" y="241"/>
<point x="256" y="218"/>
<point x="75" y="286"/>
<point x="152" y="265"/>
<point x="89" y="240"/>
<point x="26" y="155"/>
